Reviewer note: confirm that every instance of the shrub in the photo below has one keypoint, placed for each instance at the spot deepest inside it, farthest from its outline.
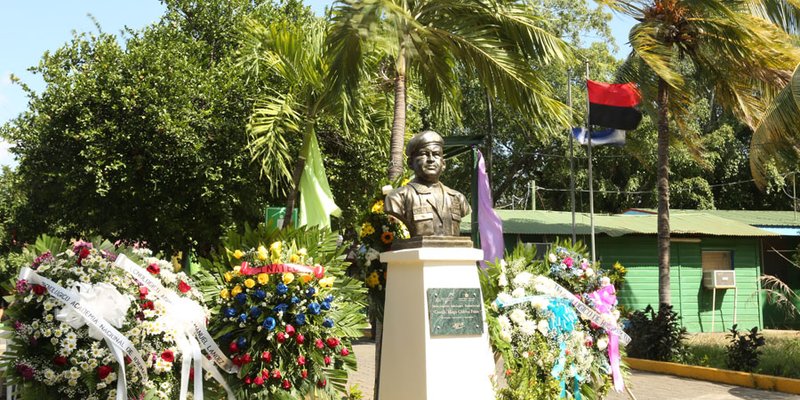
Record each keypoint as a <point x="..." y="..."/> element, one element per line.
<point x="743" y="351"/>
<point x="657" y="335"/>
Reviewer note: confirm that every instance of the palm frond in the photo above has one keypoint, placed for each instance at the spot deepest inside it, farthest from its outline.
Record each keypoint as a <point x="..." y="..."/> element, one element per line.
<point x="273" y="119"/>
<point x="777" y="139"/>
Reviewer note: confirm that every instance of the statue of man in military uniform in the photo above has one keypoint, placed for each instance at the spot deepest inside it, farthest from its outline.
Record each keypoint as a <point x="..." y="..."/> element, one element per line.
<point x="426" y="206"/>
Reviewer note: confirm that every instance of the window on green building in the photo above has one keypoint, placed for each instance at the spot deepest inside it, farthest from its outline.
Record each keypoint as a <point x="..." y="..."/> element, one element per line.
<point x="717" y="259"/>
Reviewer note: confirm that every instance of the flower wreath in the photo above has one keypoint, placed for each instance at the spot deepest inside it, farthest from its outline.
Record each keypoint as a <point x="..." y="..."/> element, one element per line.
<point x="54" y="354"/>
<point x="549" y="350"/>
<point x="286" y="312"/>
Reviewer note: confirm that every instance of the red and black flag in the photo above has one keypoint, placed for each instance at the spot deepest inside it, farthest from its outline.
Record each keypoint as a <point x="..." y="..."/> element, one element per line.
<point x="612" y="105"/>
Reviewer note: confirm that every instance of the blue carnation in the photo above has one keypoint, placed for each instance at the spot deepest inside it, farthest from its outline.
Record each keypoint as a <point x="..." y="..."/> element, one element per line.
<point x="328" y="323"/>
<point x="269" y="323"/>
<point x="310" y="292"/>
<point x="280" y="308"/>
<point x="329" y="298"/>
<point x="295" y="300"/>
<point x="255" y="311"/>
<point x="259" y="294"/>
<point x="241" y="342"/>
<point x="226" y="337"/>
<point x="241" y="298"/>
<point x="242" y="318"/>
<point x="326" y="305"/>
<point x="300" y="319"/>
<point x="229" y="312"/>
<point x="313" y="308"/>
<point x="281" y="289"/>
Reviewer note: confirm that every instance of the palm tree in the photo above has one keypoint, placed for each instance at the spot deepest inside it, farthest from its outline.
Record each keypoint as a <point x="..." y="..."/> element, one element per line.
<point x="738" y="56"/>
<point x="430" y="42"/>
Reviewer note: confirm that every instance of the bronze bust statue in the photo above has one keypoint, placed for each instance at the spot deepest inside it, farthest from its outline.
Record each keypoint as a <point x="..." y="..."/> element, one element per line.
<point x="426" y="206"/>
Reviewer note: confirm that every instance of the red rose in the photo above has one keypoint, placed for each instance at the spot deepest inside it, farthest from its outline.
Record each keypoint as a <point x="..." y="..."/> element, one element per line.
<point x="247" y="380"/>
<point x="103" y="371"/>
<point x="327" y="360"/>
<point x="319" y="344"/>
<point x="286" y="384"/>
<point x="319" y="272"/>
<point x="266" y="357"/>
<point x="184" y="287"/>
<point x="276" y="374"/>
<point x="233" y="347"/>
<point x="265" y="373"/>
<point x="345" y="352"/>
<point x="332" y="342"/>
<point x="236" y="361"/>
<point x="168" y="356"/>
<point x="60" y="361"/>
<point x="290" y="330"/>
<point x="300" y="338"/>
<point x="258" y="381"/>
<point x="83" y="253"/>
<point x="301" y="360"/>
<point x="39" y="289"/>
<point x="281" y="337"/>
<point x="246" y="359"/>
<point x="304" y="374"/>
<point x="322" y="382"/>
<point x="148" y="305"/>
<point x="143" y="292"/>
<point x="153" y="269"/>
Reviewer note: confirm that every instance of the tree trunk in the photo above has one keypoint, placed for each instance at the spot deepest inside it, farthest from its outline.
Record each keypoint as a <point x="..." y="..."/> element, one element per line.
<point x="399" y="122"/>
<point x="663" y="195"/>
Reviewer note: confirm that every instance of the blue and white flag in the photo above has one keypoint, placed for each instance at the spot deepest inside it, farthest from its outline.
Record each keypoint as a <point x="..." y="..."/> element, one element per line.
<point x="614" y="137"/>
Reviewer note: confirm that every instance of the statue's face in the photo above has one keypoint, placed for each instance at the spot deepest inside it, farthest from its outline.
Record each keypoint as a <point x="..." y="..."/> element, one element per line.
<point x="428" y="162"/>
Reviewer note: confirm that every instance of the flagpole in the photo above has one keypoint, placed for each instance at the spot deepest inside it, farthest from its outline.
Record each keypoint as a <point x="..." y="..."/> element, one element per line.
<point x="589" y="154"/>
<point x="571" y="157"/>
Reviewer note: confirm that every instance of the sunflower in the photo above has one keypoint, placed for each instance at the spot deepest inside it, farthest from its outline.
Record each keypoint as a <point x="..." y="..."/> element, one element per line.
<point x="387" y="237"/>
<point x="367" y="229"/>
<point x="377" y="208"/>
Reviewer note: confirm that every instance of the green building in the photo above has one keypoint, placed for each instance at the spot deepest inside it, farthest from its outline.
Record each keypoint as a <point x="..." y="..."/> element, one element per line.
<point x="702" y="241"/>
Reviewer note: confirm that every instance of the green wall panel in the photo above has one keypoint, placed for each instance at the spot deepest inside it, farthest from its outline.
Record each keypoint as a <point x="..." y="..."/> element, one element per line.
<point x="689" y="298"/>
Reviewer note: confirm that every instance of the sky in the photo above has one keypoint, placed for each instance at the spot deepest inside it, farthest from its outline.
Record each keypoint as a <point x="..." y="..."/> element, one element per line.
<point x="29" y="28"/>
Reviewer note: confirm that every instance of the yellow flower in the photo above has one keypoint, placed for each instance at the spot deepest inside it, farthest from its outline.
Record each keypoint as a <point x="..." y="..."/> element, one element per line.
<point x="377" y="208"/>
<point x="228" y="276"/>
<point x="373" y="280"/>
<point x="302" y="252"/>
<point x="294" y="258"/>
<point x="236" y="290"/>
<point x="305" y="278"/>
<point x="262" y="253"/>
<point x="275" y="251"/>
<point x="387" y="237"/>
<point x="224" y="294"/>
<point x="249" y="283"/>
<point x="367" y="229"/>
<point x="263" y="278"/>
<point x="326" y="282"/>
<point x="405" y="182"/>
<point x="238" y="254"/>
<point x="288" y="278"/>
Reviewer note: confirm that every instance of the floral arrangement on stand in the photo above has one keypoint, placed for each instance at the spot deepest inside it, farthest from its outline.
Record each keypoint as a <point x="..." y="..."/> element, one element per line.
<point x="549" y="348"/>
<point x="376" y="233"/>
<point x="285" y="312"/>
<point x="54" y="353"/>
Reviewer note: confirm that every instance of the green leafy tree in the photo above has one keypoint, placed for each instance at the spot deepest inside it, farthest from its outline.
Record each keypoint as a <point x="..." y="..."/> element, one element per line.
<point x="741" y="58"/>
<point x="428" y="43"/>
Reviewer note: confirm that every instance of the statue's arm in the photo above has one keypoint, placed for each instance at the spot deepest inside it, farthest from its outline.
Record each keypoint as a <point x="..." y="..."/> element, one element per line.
<point x="394" y="205"/>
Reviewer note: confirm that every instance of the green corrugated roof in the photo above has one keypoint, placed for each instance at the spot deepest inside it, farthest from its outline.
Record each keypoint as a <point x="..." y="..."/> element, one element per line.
<point x="749" y="217"/>
<point x="560" y="223"/>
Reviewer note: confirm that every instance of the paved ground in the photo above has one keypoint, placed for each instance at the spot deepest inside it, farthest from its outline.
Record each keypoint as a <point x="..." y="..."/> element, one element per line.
<point x="644" y="385"/>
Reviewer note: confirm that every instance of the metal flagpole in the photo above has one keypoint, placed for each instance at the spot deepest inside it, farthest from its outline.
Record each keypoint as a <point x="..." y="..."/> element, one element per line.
<point x="589" y="154"/>
<point x="571" y="157"/>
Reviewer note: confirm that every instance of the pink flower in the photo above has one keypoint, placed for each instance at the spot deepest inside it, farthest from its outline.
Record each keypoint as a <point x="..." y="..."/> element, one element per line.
<point x="143" y="291"/>
<point x="319" y="271"/>
<point x="290" y="330"/>
<point x="300" y="338"/>
<point x="286" y="385"/>
<point x="327" y="360"/>
<point x="304" y="374"/>
<point x="266" y="357"/>
<point x="258" y="381"/>
<point x="332" y="342"/>
<point x="319" y="343"/>
<point x="281" y="337"/>
<point x="345" y="352"/>
<point x="568" y="262"/>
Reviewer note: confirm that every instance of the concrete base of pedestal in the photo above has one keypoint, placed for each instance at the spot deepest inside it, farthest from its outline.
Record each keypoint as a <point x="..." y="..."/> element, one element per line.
<point x="414" y="365"/>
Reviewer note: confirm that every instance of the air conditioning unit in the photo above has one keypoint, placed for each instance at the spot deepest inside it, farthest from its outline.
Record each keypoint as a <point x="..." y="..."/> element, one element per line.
<point x="719" y="279"/>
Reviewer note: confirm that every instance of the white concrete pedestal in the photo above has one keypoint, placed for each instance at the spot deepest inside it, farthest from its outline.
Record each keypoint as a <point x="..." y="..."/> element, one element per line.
<point x="414" y="365"/>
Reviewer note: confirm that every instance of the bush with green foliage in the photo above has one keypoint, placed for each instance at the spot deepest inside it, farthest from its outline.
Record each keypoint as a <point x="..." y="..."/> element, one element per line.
<point x="744" y="349"/>
<point x="657" y="335"/>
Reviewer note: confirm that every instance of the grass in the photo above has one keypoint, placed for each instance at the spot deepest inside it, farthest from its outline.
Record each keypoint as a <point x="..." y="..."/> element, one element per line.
<point x="780" y="355"/>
